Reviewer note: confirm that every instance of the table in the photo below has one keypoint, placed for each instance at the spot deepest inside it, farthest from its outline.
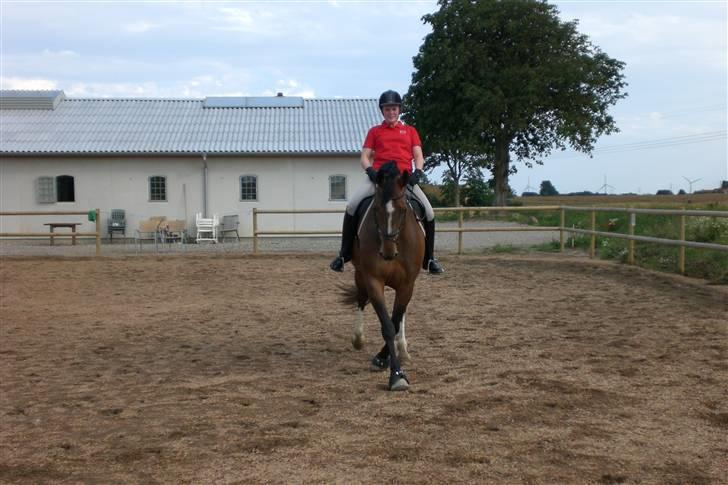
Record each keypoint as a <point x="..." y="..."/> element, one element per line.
<point x="72" y="225"/>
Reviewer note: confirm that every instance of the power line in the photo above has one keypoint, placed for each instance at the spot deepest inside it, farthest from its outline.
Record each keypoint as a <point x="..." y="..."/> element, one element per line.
<point x="658" y="143"/>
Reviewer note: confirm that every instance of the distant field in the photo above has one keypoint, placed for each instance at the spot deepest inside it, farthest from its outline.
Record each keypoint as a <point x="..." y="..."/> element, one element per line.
<point x="693" y="199"/>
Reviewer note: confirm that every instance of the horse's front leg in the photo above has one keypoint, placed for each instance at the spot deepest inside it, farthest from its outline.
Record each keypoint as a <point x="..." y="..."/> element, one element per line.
<point x="397" y="380"/>
<point x="399" y="312"/>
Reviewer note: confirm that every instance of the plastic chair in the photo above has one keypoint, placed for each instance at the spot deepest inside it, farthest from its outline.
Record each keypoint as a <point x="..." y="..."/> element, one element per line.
<point x="117" y="223"/>
<point x="229" y="224"/>
<point x="206" y="228"/>
<point x="174" y="230"/>
<point x="148" y="230"/>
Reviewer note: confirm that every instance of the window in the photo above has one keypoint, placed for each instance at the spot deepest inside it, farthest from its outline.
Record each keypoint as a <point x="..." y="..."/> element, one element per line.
<point x="49" y="190"/>
<point x="64" y="189"/>
<point x="248" y="187"/>
<point x="337" y="187"/>
<point x="45" y="190"/>
<point x="157" y="188"/>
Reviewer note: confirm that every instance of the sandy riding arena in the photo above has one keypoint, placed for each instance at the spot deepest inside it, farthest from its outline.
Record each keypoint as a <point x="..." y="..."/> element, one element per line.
<point x="239" y="369"/>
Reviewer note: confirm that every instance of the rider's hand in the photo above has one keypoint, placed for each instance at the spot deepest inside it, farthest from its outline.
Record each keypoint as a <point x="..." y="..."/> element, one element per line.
<point x="372" y="174"/>
<point x="416" y="176"/>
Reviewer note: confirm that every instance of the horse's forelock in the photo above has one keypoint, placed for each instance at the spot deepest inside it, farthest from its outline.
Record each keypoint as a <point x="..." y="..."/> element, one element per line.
<point x="389" y="173"/>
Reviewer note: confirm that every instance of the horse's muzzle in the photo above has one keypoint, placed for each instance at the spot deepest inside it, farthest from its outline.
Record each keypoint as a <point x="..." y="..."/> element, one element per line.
<point x="388" y="257"/>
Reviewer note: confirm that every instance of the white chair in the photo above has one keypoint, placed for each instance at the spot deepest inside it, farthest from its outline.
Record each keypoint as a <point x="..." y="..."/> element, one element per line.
<point x="206" y="227"/>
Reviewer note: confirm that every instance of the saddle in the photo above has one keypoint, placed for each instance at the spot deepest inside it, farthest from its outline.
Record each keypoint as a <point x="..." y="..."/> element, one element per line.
<point x="412" y="200"/>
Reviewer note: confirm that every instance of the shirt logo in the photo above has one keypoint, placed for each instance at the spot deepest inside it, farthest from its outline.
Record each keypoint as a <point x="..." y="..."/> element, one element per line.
<point x="402" y="132"/>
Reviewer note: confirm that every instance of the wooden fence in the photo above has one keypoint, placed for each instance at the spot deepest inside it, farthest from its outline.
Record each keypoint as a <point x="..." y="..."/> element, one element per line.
<point x="631" y="237"/>
<point x="53" y="235"/>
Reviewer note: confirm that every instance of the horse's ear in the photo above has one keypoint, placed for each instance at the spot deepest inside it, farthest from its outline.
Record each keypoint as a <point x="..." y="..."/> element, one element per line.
<point x="380" y="176"/>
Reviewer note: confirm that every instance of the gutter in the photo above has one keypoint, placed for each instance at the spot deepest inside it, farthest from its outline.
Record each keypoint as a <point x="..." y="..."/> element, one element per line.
<point x="204" y="185"/>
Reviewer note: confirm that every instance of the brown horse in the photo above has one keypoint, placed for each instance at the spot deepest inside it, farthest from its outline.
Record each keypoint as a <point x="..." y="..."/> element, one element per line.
<point x="390" y="249"/>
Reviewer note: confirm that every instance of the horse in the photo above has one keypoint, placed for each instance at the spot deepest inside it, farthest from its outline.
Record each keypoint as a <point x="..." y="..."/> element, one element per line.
<point x="390" y="250"/>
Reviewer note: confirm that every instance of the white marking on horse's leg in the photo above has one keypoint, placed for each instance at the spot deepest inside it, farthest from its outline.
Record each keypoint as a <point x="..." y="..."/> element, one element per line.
<point x="390" y="211"/>
<point x="401" y="340"/>
<point x="357" y="338"/>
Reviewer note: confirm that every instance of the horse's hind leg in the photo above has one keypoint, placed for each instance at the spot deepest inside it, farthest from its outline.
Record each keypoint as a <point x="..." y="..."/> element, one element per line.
<point x="357" y="337"/>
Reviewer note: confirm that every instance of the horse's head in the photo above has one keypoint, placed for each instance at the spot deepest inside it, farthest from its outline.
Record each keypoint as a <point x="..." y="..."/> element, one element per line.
<point x="390" y="207"/>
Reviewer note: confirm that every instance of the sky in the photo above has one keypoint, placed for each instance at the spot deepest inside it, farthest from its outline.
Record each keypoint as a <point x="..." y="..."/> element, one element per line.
<point x="673" y="124"/>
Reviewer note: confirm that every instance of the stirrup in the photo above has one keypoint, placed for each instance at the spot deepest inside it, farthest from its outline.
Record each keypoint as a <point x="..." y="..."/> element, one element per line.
<point x="337" y="264"/>
<point x="433" y="267"/>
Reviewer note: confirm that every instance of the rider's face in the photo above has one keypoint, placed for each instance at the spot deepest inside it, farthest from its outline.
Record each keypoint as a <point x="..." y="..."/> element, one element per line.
<point x="391" y="113"/>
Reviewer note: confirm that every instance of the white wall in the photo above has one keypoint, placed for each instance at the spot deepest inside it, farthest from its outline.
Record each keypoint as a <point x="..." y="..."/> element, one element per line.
<point x="122" y="183"/>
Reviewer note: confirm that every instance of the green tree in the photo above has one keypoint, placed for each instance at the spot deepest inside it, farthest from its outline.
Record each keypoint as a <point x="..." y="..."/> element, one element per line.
<point x="499" y="79"/>
<point x="547" y="188"/>
<point x="476" y="191"/>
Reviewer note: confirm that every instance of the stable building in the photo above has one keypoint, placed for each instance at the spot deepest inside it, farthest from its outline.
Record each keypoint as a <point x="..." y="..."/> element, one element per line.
<point x="179" y="157"/>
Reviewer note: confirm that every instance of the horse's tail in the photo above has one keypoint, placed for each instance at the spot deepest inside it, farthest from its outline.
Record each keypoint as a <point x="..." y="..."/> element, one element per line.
<point x="350" y="295"/>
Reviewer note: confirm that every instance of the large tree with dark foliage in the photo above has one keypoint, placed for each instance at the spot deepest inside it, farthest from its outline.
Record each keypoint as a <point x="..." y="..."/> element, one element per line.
<point x="508" y="78"/>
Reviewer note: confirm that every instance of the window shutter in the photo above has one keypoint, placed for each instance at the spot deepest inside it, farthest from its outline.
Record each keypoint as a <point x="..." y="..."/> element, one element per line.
<point x="45" y="190"/>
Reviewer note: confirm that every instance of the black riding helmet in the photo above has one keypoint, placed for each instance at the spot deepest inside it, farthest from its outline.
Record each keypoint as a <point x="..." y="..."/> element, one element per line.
<point x="389" y="97"/>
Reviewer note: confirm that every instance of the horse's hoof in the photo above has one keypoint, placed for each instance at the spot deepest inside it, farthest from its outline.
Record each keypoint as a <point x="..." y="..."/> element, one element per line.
<point x="404" y="356"/>
<point x="398" y="381"/>
<point x="357" y="341"/>
<point x="379" y="364"/>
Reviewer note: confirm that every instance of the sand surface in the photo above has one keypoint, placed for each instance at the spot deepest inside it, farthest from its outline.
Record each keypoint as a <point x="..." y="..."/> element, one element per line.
<point x="220" y="368"/>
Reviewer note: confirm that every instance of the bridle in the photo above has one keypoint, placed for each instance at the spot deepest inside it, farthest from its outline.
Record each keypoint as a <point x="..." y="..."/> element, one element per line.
<point x="384" y="235"/>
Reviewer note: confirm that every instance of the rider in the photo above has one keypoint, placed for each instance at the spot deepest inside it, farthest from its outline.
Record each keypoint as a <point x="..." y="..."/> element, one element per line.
<point x="391" y="140"/>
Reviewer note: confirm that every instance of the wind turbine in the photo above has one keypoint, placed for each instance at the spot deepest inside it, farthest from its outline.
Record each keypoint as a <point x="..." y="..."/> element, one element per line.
<point x="605" y="186"/>
<point x="691" y="182"/>
<point x="528" y="186"/>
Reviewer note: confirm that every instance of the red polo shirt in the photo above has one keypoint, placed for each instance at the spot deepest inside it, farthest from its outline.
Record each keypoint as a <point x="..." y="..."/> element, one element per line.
<point x="393" y="143"/>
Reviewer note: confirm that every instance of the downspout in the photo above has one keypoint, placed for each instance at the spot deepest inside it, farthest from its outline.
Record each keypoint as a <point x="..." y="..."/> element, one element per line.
<point x="204" y="185"/>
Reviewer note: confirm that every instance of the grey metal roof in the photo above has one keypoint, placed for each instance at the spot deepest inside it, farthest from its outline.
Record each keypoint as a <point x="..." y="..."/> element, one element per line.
<point x="186" y="126"/>
<point x="21" y="99"/>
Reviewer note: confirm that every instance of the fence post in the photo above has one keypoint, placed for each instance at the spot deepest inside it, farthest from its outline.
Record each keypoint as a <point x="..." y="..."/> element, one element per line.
<point x="460" y="234"/>
<point x="632" y="224"/>
<point x="562" y="224"/>
<point x="593" y="245"/>
<point x="98" y="232"/>
<point x="255" y="230"/>
<point x="681" y="259"/>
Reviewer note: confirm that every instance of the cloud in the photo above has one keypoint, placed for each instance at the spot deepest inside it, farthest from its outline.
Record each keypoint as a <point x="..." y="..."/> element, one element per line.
<point x="659" y="39"/>
<point x="113" y="90"/>
<point x="62" y="53"/>
<point x="290" y="87"/>
<point x="241" y="20"/>
<point x="139" y="26"/>
<point x="27" y="83"/>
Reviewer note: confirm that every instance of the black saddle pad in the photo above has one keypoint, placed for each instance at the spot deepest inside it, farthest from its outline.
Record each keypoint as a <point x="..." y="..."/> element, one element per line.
<point x="413" y="202"/>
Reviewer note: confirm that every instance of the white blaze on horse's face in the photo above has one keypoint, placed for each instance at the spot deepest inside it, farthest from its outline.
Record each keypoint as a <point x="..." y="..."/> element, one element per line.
<point x="390" y="211"/>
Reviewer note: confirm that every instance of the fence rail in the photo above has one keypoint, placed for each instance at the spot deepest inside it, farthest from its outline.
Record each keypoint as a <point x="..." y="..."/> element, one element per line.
<point x="52" y="235"/>
<point x="563" y="230"/>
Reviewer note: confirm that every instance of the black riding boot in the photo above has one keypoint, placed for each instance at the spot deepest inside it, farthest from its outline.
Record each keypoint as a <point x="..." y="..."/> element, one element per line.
<point x="348" y="232"/>
<point x="430" y="263"/>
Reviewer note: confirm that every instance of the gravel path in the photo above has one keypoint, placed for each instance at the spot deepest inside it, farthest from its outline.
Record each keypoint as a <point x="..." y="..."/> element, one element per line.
<point x="446" y="243"/>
